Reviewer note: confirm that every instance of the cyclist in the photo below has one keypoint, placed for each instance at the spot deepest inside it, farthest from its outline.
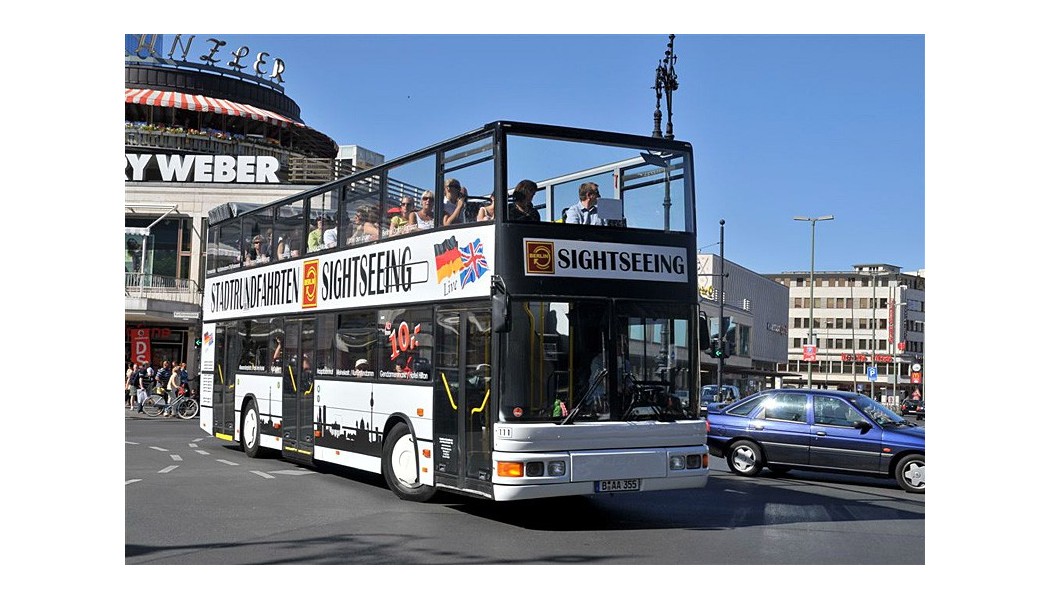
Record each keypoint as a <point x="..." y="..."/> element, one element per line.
<point x="173" y="383"/>
<point x="161" y="381"/>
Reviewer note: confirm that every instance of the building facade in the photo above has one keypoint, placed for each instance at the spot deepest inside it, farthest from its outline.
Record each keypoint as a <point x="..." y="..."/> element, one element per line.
<point x="868" y="330"/>
<point x="755" y="310"/>
<point x="207" y="123"/>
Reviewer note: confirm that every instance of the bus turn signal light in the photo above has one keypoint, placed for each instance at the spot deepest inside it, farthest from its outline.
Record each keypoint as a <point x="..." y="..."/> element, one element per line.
<point x="510" y="469"/>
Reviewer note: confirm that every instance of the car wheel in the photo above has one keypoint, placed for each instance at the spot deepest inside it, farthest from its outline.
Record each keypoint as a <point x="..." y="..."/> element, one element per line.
<point x="911" y="474"/>
<point x="400" y="466"/>
<point x="744" y="458"/>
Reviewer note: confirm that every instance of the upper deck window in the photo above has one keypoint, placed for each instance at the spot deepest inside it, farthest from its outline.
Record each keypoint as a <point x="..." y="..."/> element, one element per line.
<point x="639" y="188"/>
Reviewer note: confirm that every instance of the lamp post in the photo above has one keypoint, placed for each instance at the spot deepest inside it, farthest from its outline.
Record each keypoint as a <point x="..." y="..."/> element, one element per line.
<point x="812" y="254"/>
<point x="666" y="80"/>
<point x="896" y="367"/>
<point x="721" y="302"/>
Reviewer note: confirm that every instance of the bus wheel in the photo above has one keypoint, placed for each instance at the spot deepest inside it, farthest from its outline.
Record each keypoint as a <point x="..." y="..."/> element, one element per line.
<point x="400" y="466"/>
<point x="250" y="437"/>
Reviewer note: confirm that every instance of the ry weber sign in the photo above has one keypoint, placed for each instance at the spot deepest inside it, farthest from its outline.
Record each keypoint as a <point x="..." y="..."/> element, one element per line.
<point x="201" y="168"/>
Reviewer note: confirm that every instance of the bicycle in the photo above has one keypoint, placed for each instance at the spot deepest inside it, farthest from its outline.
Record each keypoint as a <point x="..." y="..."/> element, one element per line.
<point x="185" y="406"/>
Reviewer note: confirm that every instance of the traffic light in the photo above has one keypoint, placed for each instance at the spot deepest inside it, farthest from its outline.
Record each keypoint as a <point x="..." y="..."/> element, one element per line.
<point x="717" y="349"/>
<point x="730" y="345"/>
<point x="197" y="342"/>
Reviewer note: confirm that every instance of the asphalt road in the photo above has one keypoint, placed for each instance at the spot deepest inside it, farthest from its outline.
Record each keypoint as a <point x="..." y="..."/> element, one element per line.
<point x="191" y="499"/>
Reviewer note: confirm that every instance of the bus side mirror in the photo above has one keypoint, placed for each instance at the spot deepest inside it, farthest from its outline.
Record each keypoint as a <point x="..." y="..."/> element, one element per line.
<point x="703" y="333"/>
<point x="500" y="307"/>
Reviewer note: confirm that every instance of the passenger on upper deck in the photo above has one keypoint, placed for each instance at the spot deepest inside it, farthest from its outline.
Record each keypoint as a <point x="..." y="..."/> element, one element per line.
<point x="364" y="226"/>
<point x="424" y="217"/>
<point x="315" y="241"/>
<point x="399" y="217"/>
<point x="488" y="212"/>
<point x="522" y="208"/>
<point x="455" y="200"/>
<point x="586" y="210"/>
<point x="330" y="237"/>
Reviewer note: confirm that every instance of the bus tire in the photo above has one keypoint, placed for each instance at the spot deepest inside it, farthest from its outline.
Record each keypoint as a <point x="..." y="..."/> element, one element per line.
<point x="251" y="438"/>
<point x="401" y="466"/>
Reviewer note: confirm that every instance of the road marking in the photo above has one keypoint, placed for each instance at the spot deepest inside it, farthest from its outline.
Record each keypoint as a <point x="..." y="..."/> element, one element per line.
<point x="168" y="469"/>
<point x="204" y="452"/>
<point x="193" y="445"/>
<point x="132" y="443"/>
<point x="291" y="472"/>
<point x="264" y="475"/>
<point x="132" y="481"/>
<point x="176" y="458"/>
<point x="227" y="462"/>
<point x="158" y="448"/>
<point x="198" y="439"/>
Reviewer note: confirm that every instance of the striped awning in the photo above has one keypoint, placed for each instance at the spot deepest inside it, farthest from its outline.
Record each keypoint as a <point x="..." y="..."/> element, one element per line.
<point x="204" y="104"/>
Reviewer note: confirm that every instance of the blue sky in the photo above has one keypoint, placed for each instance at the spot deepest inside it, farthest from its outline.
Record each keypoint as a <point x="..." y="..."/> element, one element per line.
<point x="782" y="125"/>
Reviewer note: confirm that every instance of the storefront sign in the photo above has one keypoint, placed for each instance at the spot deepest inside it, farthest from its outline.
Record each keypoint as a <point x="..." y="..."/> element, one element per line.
<point x="879" y="358"/>
<point x="140" y="347"/>
<point x="809" y="352"/>
<point x="201" y="168"/>
<point x="179" y="52"/>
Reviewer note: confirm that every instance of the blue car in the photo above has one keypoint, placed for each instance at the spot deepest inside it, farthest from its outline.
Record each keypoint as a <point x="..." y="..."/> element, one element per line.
<point x="823" y="430"/>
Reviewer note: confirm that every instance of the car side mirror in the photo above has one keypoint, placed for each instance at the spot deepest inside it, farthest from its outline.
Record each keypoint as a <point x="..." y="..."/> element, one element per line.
<point x="863" y="426"/>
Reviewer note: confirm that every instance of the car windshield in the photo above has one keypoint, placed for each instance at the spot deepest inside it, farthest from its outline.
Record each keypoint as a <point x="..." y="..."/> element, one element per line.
<point x="878" y="413"/>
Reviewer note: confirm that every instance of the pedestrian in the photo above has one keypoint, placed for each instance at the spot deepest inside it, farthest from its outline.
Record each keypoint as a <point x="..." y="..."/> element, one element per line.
<point x="141" y="380"/>
<point x="184" y="378"/>
<point x="129" y="392"/>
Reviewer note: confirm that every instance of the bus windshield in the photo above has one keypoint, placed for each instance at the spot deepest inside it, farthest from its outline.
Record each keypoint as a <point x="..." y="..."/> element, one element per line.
<point x="598" y="359"/>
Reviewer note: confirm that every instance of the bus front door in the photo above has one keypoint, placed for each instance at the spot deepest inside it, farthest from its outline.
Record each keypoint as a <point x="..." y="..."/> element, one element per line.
<point x="297" y="399"/>
<point x="227" y="354"/>
<point x="462" y="399"/>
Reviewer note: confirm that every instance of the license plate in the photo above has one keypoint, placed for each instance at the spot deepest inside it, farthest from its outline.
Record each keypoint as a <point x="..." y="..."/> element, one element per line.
<point x="618" y="485"/>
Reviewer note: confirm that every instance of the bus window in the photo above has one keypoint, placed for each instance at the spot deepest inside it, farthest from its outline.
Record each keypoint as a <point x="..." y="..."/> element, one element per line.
<point x="324" y="227"/>
<point x="356" y="344"/>
<point x="472" y="168"/>
<point x="254" y="334"/>
<point x="360" y="210"/>
<point x="288" y="228"/>
<point x="405" y="186"/>
<point x="406" y="342"/>
<point x="324" y="363"/>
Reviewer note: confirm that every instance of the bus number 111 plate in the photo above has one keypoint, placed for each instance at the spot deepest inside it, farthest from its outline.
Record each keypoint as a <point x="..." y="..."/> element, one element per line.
<point x="618" y="485"/>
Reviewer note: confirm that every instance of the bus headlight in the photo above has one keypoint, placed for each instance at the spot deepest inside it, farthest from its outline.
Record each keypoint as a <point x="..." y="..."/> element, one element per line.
<point x="556" y="468"/>
<point x="677" y="463"/>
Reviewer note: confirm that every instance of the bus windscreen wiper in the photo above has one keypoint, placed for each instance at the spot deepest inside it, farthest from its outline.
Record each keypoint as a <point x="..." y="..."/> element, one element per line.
<point x="588" y="398"/>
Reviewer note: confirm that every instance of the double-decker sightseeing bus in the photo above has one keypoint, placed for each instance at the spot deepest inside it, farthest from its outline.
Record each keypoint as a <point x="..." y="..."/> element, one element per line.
<point x="385" y="322"/>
